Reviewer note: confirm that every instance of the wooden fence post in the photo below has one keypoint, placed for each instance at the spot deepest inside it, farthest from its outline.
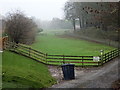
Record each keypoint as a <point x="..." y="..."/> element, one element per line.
<point x="112" y="54"/>
<point x="29" y="51"/>
<point x="102" y="59"/>
<point x="109" y="55"/>
<point x="63" y="59"/>
<point x="82" y="61"/>
<point x="46" y="58"/>
<point x="105" y="58"/>
<point x="118" y="52"/>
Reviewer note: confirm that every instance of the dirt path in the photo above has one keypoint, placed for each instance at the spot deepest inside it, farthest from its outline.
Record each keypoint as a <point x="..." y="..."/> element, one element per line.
<point x="97" y="77"/>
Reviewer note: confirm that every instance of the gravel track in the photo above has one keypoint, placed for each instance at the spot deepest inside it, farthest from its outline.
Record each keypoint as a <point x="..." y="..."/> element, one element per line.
<point x="96" y="77"/>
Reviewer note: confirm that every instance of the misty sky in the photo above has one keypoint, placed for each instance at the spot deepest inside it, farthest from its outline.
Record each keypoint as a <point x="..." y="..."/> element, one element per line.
<point x="41" y="9"/>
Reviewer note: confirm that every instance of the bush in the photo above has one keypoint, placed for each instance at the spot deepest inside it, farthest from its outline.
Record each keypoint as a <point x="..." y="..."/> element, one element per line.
<point x="40" y="30"/>
<point x="20" y="28"/>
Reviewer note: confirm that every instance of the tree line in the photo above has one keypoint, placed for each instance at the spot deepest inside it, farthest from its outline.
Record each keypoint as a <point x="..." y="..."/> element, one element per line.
<point x="56" y="23"/>
<point x="92" y="14"/>
<point x="23" y="29"/>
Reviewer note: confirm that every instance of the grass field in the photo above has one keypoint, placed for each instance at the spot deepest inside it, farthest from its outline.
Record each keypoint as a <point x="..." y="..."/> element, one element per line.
<point x="51" y="44"/>
<point x="21" y="72"/>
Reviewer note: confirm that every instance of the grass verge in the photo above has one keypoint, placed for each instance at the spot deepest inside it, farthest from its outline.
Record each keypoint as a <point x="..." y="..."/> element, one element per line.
<point x="21" y="72"/>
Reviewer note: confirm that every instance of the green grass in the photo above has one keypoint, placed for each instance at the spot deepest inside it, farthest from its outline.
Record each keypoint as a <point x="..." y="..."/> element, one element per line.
<point x="21" y="72"/>
<point x="49" y="43"/>
<point x="52" y="44"/>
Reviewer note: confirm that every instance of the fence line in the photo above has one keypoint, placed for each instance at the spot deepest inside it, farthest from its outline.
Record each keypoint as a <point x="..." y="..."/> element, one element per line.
<point x="110" y="55"/>
<point x="60" y="59"/>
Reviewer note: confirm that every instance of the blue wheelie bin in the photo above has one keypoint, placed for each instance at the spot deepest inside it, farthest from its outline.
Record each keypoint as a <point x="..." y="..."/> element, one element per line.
<point x="68" y="71"/>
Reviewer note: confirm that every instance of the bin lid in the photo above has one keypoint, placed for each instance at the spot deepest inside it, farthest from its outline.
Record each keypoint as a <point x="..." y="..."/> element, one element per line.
<point x="68" y="65"/>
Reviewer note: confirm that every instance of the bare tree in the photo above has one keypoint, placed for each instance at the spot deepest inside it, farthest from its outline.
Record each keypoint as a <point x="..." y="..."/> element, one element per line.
<point x="70" y="13"/>
<point x="20" y="28"/>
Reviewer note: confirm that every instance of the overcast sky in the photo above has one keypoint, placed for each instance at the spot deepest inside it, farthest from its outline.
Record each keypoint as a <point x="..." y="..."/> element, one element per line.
<point x="42" y="9"/>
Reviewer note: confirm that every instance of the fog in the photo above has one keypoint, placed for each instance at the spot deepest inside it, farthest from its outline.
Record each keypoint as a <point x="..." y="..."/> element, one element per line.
<point x="41" y="9"/>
